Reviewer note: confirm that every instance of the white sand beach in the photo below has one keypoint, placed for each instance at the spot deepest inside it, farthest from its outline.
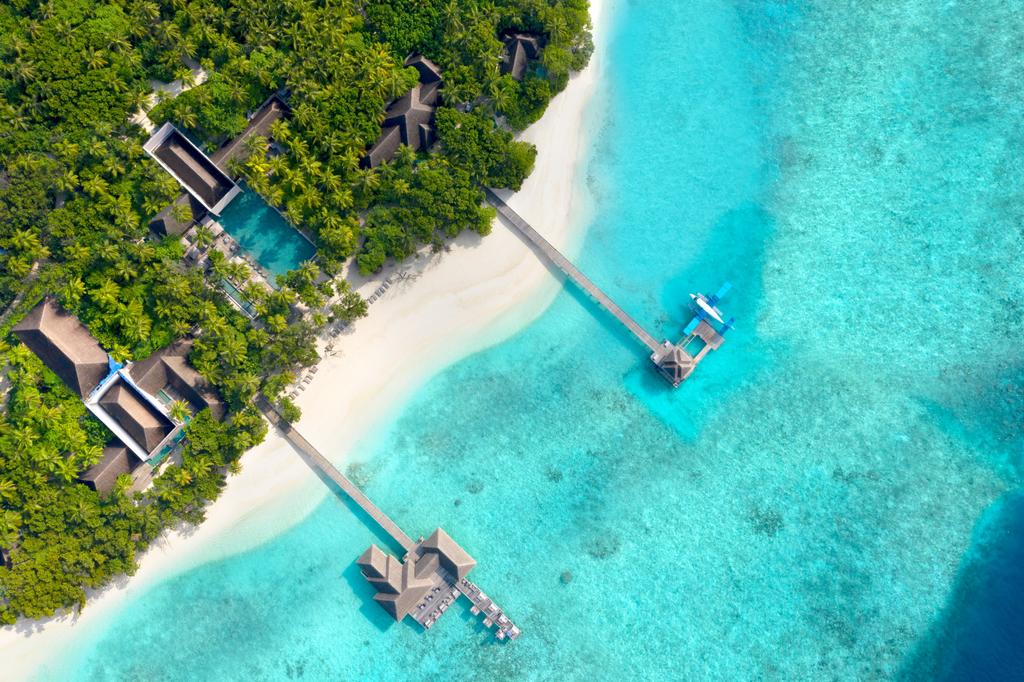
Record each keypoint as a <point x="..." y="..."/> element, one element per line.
<point x="451" y="305"/>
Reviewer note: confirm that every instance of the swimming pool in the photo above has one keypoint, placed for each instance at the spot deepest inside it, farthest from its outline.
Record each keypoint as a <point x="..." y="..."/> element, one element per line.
<point x="265" y="234"/>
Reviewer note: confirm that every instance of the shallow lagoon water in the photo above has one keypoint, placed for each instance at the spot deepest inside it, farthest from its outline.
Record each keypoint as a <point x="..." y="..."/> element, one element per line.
<point x="804" y="508"/>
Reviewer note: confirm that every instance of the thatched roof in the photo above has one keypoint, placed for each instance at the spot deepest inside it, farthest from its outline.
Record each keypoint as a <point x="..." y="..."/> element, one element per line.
<point x="676" y="365"/>
<point x="398" y="587"/>
<point x="164" y="223"/>
<point x="520" y="48"/>
<point x="140" y="420"/>
<point x="428" y="70"/>
<point x="64" y="345"/>
<point x="169" y="367"/>
<point x="450" y="554"/>
<point x="192" y="168"/>
<point x="409" y="119"/>
<point x="116" y="460"/>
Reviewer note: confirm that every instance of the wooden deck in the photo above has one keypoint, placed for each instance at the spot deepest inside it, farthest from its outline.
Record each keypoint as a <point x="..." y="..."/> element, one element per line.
<point x="563" y="264"/>
<point x="347" y="486"/>
<point x="447" y="589"/>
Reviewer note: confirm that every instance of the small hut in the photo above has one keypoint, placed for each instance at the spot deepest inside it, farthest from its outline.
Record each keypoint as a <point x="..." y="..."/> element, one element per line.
<point x="520" y="49"/>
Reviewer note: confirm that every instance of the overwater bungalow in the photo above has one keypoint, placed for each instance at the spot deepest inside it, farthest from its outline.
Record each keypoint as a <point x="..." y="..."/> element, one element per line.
<point x="520" y="49"/>
<point x="399" y="590"/>
<point x="434" y="565"/>
<point x="409" y="120"/>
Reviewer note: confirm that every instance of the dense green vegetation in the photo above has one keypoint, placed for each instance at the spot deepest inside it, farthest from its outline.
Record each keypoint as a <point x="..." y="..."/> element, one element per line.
<point x="77" y="191"/>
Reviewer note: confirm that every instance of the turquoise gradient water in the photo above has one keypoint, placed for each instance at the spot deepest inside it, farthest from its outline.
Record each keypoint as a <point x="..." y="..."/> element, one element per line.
<point x="265" y="234"/>
<point x="800" y="509"/>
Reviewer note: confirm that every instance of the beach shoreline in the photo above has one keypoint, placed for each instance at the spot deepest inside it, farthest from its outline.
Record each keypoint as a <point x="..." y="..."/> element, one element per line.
<point x="444" y="308"/>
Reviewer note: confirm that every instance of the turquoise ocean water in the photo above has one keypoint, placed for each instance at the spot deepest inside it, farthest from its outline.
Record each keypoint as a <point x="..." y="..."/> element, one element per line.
<point x="829" y="498"/>
<point x="265" y="234"/>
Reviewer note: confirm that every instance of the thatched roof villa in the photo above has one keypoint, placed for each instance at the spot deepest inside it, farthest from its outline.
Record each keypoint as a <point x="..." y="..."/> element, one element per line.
<point x="409" y="120"/>
<point x="64" y="345"/>
<point x="169" y="371"/>
<point x="520" y="48"/>
<point x="199" y="175"/>
<point x="131" y="401"/>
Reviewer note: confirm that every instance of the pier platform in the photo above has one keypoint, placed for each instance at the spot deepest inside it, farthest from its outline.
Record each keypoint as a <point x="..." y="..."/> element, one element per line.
<point x="431" y="576"/>
<point x="674" y="361"/>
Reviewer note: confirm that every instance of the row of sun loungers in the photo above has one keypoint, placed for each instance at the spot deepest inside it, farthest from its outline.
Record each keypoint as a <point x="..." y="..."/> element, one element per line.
<point x="493" y="615"/>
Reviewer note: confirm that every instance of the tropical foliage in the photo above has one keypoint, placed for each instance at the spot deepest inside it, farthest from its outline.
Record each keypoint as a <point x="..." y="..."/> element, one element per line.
<point x="77" y="191"/>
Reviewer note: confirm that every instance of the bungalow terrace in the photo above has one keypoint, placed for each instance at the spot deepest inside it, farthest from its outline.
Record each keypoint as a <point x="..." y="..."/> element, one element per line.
<point x="144" y="433"/>
<point x="409" y="120"/>
<point x="200" y="176"/>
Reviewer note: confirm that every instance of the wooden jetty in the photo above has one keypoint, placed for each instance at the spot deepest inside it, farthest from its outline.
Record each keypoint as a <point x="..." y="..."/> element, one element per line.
<point x="556" y="258"/>
<point x="675" y="361"/>
<point x="432" y="574"/>
<point x="321" y="464"/>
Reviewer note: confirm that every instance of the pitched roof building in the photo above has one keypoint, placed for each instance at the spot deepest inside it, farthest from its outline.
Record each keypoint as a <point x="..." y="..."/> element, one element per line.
<point x="520" y="48"/>
<point x="399" y="589"/>
<point x="64" y="345"/>
<point x="116" y="460"/>
<point x="401" y="586"/>
<point x="191" y="168"/>
<point x="146" y="425"/>
<point x="273" y="108"/>
<point x="450" y="555"/>
<point x="168" y="370"/>
<point x="676" y="364"/>
<point x="409" y="119"/>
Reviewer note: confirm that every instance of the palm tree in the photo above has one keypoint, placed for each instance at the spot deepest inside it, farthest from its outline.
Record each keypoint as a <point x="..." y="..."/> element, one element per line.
<point x="78" y="253"/>
<point x="96" y="59"/>
<point x="107" y="294"/>
<point x="66" y="469"/>
<point x="201" y="465"/>
<point x="180" y="476"/>
<point x="180" y="412"/>
<point x="204" y="236"/>
<point x="366" y="181"/>
<point x="7" y="490"/>
<point x="406" y="155"/>
<point x="73" y="291"/>
<point x="237" y="271"/>
<point x="502" y="94"/>
<point x="95" y="186"/>
<point x="182" y="212"/>
<point x="10" y="525"/>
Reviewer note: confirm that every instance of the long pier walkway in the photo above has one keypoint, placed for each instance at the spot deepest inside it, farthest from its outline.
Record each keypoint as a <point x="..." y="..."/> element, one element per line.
<point x="325" y="467"/>
<point x="444" y="586"/>
<point x="562" y="263"/>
